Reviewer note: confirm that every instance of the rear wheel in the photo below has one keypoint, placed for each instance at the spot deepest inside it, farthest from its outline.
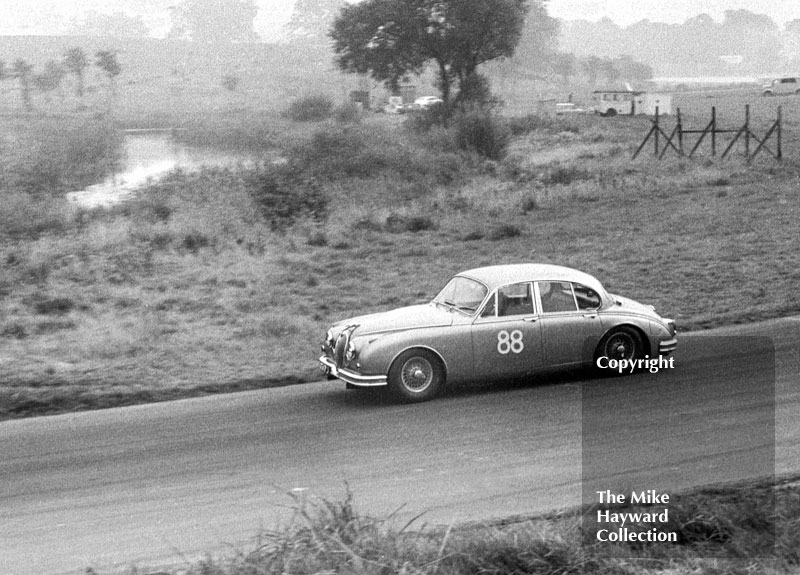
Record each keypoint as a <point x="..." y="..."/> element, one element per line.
<point x="622" y="343"/>
<point x="416" y="375"/>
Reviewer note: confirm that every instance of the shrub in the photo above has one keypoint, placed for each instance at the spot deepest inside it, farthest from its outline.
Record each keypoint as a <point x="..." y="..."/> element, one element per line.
<point x="420" y="121"/>
<point x="504" y="231"/>
<point x="310" y="109"/>
<point x="482" y="132"/>
<point x="566" y="175"/>
<point x="349" y="113"/>
<point x="401" y="223"/>
<point x="54" y="306"/>
<point x="284" y="196"/>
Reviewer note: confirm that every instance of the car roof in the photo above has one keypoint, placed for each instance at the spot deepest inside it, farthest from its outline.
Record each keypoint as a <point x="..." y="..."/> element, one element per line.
<point x="495" y="276"/>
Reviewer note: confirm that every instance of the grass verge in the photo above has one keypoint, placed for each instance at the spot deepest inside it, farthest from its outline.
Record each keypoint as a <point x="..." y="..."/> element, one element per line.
<point x="756" y="530"/>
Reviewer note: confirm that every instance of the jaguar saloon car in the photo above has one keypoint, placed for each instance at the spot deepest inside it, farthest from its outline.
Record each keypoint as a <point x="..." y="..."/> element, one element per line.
<point x="494" y="323"/>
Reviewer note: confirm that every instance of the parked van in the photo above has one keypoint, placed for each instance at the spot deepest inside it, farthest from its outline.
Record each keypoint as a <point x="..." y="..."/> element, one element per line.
<point x="781" y="87"/>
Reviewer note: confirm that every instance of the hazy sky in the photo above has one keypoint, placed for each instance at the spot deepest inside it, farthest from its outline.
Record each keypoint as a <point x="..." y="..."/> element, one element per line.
<point x="55" y="16"/>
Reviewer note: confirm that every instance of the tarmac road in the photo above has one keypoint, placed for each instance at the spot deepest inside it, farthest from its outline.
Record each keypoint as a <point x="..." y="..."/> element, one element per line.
<point x="165" y="483"/>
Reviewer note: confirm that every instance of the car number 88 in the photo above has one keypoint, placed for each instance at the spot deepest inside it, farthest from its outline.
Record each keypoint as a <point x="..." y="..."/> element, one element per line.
<point x="510" y="342"/>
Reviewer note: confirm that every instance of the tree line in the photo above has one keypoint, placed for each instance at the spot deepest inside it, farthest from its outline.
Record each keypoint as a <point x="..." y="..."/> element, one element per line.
<point x="74" y="62"/>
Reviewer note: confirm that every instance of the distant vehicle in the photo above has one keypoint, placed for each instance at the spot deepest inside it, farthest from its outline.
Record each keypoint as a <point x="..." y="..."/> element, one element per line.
<point x="425" y="102"/>
<point x="566" y="108"/>
<point x="629" y="102"/>
<point x="781" y="87"/>
<point x="395" y="105"/>
<point x="492" y="323"/>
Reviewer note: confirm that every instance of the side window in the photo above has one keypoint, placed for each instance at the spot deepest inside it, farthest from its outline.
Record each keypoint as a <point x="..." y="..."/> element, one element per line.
<point x="515" y="299"/>
<point x="557" y="296"/>
<point x="490" y="309"/>
<point x="586" y="297"/>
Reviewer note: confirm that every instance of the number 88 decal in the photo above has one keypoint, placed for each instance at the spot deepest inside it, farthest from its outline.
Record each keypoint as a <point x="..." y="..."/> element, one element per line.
<point x="510" y="342"/>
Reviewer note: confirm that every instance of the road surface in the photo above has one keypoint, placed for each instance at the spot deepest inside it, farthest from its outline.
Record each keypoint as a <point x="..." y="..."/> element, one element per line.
<point x="165" y="483"/>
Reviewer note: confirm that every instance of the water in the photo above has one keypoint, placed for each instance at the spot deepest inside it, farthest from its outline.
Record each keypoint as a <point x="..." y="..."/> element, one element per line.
<point x="147" y="156"/>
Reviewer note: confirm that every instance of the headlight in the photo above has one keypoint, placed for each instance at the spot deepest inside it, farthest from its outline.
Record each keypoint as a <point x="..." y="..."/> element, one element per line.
<point x="329" y="338"/>
<point x="350" y="353"/>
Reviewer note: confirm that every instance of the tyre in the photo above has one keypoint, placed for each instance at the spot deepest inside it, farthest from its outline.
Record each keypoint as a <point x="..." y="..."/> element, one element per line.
<point x="621" y="343"/>
<point x="610" y="113"/>
<point x="767" y="93"/>
<point x="416" y="375"/>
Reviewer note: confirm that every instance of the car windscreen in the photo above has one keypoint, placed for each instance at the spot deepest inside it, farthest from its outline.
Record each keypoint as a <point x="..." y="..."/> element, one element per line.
<point x="463" y="294"/>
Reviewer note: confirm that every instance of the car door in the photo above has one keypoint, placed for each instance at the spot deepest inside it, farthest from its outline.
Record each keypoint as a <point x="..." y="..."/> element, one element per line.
<point x="570" y="324"/>
<point x="506" y="339"/>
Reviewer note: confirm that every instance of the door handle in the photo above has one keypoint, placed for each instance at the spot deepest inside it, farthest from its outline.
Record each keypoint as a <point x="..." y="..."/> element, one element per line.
<point x="530" y="319"/>
<point x="590" y="315"/>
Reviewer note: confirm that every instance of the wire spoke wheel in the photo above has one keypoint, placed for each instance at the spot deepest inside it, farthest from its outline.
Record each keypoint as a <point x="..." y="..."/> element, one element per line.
<point x="620" y="345"/>
<point x="416" y="375"/>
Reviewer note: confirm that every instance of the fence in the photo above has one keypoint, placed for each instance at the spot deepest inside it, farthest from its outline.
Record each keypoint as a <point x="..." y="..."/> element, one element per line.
<point x="675" y="140"/>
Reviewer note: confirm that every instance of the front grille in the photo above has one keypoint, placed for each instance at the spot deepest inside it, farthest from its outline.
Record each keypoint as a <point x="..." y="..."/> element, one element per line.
<point x="340" y="347"/>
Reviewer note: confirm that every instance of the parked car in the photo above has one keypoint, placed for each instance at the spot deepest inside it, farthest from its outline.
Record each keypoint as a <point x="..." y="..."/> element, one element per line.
<point x="425" y="102"/>
<point x="493" y="323"/>
<point x="781" y="87"/>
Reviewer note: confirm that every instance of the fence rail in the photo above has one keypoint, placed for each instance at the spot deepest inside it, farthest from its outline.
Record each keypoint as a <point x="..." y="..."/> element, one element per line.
<point x="675" y="139"/>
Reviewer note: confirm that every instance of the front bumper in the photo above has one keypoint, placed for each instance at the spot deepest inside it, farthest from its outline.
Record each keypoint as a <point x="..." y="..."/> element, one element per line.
<point x="668" y="346"/>
<point x="328" y="367"/>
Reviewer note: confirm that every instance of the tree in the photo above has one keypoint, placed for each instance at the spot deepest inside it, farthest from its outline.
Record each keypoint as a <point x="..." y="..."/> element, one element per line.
<point x="22" y="72"/>
<point x="107" y="61"/>
<point x="389" y="39"/>
<point x="75" y="61"/>
<point x="214" y="21"/>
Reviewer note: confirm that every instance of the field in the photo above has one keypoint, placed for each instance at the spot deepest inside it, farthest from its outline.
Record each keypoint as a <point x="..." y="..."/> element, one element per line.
<point x="226" y="279"/>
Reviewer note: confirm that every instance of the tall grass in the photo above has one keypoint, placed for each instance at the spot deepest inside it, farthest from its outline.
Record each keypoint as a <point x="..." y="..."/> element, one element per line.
<point x="327" y="536"/>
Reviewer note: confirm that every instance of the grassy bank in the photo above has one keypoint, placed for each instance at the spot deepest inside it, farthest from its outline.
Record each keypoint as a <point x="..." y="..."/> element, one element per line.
<point x="226" y="279"/>
<point x="731" y="530"/>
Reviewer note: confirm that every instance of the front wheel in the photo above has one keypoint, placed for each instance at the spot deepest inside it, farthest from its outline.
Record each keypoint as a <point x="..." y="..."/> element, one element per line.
<point x="416" y="375"/>
<point x="622" y="343"/>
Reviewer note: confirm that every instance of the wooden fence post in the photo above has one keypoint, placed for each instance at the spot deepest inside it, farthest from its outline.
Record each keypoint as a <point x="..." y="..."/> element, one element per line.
<point x="713" y="131"/>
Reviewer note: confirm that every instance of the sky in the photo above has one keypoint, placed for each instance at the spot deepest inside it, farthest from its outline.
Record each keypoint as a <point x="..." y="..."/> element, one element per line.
<point x="55" y="16"/>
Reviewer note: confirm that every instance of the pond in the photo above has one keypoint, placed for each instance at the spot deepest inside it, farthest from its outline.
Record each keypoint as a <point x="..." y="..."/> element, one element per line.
<point x="148" y="155"/>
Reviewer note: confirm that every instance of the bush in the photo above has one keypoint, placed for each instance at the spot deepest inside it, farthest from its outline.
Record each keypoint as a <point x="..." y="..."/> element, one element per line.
<point x="349" y="113"/>
<point x="284" y="196"/>
<point x="310" y="109"/>
<point x="504" y="231"/>
<point x="566" y="175"/>
<point x="401" y="223"/>
<point x="421" y="121"/>
<point x="482" y="132"/>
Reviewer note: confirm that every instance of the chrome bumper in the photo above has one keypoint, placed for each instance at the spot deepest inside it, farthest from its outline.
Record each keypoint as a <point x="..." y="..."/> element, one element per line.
<point x="328" y="367"/>
<point x="668" y="346"/>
